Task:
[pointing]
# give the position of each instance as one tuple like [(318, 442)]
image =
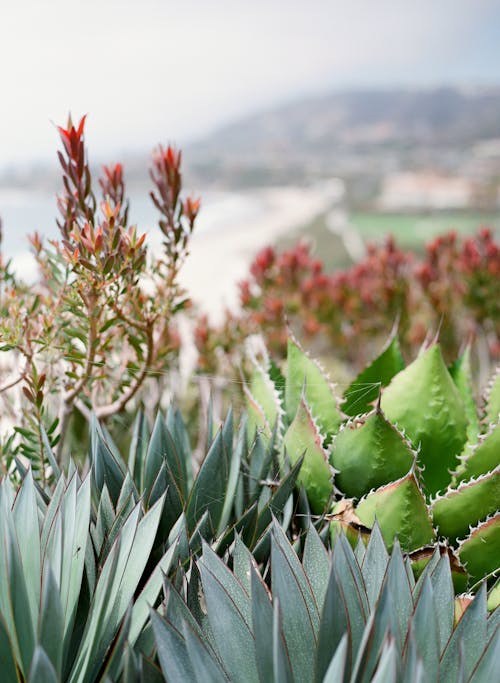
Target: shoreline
[(219, 259)]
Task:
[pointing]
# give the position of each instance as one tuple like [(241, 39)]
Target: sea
[(24, 212)]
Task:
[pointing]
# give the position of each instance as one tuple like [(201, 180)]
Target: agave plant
[(355, 617), (81, 564), (72, 588), (404, 445)]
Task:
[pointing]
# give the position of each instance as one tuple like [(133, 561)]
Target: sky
[(152, 71)]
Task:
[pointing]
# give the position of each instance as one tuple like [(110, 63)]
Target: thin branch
[(120, 403)]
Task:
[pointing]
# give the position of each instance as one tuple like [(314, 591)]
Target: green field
[(411, 230)]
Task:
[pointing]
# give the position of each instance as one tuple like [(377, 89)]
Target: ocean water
[(24, 212)]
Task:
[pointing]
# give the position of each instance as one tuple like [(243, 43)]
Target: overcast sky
[(157, 70)]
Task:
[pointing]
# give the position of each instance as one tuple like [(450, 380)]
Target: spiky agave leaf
[(400, 509), (462, 507), (303, 438), (350, 629), (479, 552), (304, 376), (461, 373), (492, 399), (423, 400), (369, 452), (481, 457)]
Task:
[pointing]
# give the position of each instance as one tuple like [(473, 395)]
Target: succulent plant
[(356, 616), (417, 457)]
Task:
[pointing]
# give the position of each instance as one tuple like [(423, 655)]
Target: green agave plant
[(81, 564), (404, 445), (353, 617)]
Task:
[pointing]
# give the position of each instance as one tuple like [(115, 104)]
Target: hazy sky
[(157, 70)]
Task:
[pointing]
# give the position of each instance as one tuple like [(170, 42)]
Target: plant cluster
[(146, 571), (452, 286), (101, 320), (313, 542), (424, 462)]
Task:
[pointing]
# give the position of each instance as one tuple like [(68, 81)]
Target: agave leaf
[(66, 548), (25, 516), (138, 449), (466, 505), (203, 531), (180, 436), (397, 585), (289, 584), (481, 550), (14, 603), (51, 512), (303, 438), (423, 400), (442, 585), (51, 621), (365, 389), (262, 622), (352, 588), (264, 392), (494, 597), (381, 621), (150, 592), (205, 665), (282, 669), (107, 468), (368, 453), (461, 373), (305, 380), (334, 625), (172, 651), (374, 565), (155, 455), (316, 565), (115, 588), (210, 486), (487, 667), (336, 669), (387, 671), (7, 654), (232, 629), (49, 453), (470, 636), (242, 562), (41, 670), (425, 626), (234, 588), (482, 457), (104, 520), (401, 511), (277, 502), (283, 549), (260, 459), (257, 422), (236, 456), (114, 656), (492, 408)]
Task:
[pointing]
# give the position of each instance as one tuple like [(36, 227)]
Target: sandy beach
[(220, 258)]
